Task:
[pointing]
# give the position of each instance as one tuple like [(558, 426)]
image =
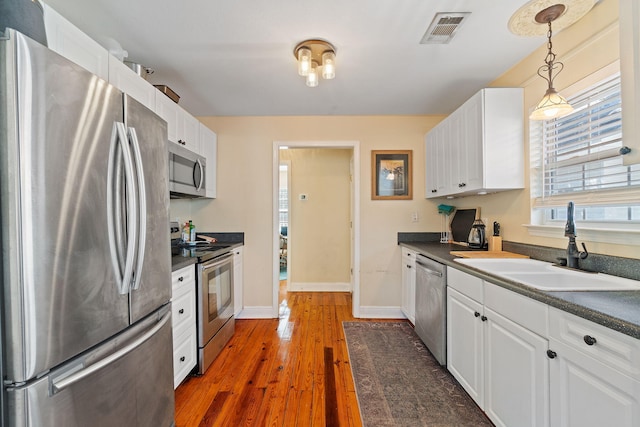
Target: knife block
[(495, 244)]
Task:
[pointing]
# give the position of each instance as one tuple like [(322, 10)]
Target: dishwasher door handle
[(428, 270)]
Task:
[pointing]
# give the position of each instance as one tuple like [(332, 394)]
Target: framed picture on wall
[(391, 172)]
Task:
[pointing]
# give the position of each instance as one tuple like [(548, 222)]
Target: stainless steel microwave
[(187, 173)]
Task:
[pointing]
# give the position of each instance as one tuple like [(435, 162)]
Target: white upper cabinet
[(479, 148), (125, 79), (209, 149), (69, 41), (182, 127)]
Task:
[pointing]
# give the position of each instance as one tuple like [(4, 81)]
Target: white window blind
[(578, 157)]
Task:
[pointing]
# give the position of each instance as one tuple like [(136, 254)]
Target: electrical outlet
[(414, 217)]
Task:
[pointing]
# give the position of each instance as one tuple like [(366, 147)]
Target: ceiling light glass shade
[(304, 61), (312, 75), (328, 65), (552, 105)]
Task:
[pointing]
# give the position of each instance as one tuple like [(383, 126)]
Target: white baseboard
[(319, 287), (256, 313), (371, 312)]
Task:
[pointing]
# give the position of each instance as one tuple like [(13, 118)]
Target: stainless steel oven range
[(216, 324), (214, 289)]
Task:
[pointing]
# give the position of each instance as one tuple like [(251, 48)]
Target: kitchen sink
[(548, 277)]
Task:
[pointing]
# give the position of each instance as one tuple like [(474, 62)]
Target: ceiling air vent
[(444, 27)]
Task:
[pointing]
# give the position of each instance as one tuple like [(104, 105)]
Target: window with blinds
[(578, 158)]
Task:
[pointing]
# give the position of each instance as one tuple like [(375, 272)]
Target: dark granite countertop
[(181, 259), (618, 310)]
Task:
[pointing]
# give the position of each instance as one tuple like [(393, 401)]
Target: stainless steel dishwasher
[(431, 306)]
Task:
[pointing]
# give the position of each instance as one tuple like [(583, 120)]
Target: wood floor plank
[(278, 372)]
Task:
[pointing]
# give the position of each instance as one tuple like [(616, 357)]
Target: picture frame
[(391, 175)]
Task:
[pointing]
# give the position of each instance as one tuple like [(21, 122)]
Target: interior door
[(61, 288)]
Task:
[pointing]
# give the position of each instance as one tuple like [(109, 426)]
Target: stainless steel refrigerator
[(86, 279)]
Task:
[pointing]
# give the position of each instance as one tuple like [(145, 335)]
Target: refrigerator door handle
[(142, 208), (114, 206), (57, 385)]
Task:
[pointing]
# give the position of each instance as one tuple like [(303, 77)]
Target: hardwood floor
[(291, 371)]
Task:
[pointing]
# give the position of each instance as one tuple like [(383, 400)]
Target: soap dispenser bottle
[(477, 237)]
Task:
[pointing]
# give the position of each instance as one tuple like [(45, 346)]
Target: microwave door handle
[(132, 212), (199, 185), (142, 207)]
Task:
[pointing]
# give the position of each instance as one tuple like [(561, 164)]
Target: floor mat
[(399, 383)]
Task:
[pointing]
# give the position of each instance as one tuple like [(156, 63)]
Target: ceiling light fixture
[(313, 55), (552, 104), (534, 19)]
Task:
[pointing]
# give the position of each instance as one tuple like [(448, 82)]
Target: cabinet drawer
[(469, 285), (184, 356), (184, 277), (524, 311), (408, 254), (183, 307), (612, 348)]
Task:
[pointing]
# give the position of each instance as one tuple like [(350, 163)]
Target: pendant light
[(552, 105), (534, 19)]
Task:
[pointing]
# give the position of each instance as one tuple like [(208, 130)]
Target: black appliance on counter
[(214, 289)]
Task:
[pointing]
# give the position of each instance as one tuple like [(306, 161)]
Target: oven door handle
[(217, 262)]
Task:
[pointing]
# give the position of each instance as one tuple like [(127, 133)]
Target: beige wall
[(319, 233), (245, 176), (244, 202)]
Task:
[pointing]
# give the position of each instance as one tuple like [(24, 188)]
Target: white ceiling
[(235, 57)]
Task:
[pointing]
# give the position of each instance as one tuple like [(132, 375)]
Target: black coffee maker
[(477, 236)]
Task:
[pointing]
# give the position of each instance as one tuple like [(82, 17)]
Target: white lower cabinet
[(595, 378), (409, 284), (465, 343), (238, 281), (516, 373), (183, 320), (496, 349)]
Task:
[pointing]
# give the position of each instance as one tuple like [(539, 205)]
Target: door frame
[(355, 200)]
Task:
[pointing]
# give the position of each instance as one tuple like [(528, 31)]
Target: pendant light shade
[(312, 76), (328, 65), (315, 58), (551, 106), (304, 61)]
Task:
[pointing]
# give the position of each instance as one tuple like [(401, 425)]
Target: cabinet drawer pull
[(462, 184), (182, 359), (589, 340), (551, 354), (408, 266), (483, 318), (476, 314), (434, 191), (180, 279), (181, 311)]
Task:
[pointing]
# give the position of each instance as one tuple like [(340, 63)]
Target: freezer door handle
[(59, 384), (141, 219)]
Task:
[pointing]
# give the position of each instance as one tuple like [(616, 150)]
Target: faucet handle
[(584, 254)]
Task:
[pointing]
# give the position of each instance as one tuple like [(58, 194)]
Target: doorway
[(351, 258)]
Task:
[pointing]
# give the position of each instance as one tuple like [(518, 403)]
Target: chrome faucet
[(573, 254)]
